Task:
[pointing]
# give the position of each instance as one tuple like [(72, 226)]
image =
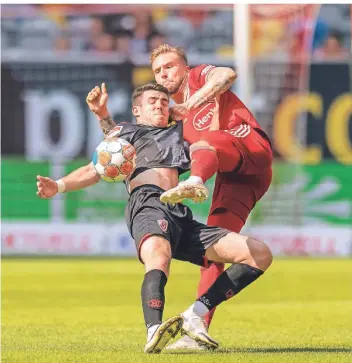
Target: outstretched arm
[(80, 178), (97, 101), (220, 79)]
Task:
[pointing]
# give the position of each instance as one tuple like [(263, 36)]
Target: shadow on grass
[(266, 350)]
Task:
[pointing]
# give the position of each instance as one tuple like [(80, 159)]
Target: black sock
[(153, 298), (229, 283)]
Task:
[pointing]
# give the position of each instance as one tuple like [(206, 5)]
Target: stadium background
[(52, 55), (79, 309)]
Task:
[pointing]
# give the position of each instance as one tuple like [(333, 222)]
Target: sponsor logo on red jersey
[(202, 119)]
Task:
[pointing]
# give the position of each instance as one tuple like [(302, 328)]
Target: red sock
[(204, 163), (207, 278)]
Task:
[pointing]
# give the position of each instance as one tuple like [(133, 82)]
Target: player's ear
[(135, 111)]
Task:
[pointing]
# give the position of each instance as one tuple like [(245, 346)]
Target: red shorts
[(237, 191)]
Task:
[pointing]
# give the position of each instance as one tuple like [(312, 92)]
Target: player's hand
[(47, 187), (97, 100), (179, 112)]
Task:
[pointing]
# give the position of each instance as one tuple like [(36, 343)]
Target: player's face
[(169, 70), (154, 108)]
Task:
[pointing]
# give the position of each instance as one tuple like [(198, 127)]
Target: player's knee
[(155, 253), (217, 139), (201, 145), (260, 255)]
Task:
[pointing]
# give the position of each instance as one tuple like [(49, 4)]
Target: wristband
[(61, 186)]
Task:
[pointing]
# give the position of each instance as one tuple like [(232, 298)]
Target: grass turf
[(88, 311)]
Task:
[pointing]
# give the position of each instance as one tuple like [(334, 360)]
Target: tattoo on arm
[(106, 124), (216, 85)]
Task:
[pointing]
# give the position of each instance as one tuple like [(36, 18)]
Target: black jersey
[(155, 147)]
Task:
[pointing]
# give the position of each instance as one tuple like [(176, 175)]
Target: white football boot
[(165, 331), (185, 343), (195, 327), (197, 192)]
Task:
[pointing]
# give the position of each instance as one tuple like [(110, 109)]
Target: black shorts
[(147, 216)]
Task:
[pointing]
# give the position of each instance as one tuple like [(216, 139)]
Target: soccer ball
[(114, 159)]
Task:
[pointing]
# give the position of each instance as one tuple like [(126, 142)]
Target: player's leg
[(220, 217), (239, 151), (208, 274), (155, 253), (249, 259), (232, 202), (216, 151), (151, 226), (234, 197)]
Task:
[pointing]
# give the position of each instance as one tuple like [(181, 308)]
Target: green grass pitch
[(88, 311)]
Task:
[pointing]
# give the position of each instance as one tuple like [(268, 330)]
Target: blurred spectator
[(95, 32), (138, 31), (178, 30), (62, 44), (215, 32), (155, 40), (142, 30), (104, 43), (97, 26), (195, 17), (332, 48), (123, 43), (139, 42)]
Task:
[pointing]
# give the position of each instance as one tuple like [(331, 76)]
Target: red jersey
[(232, 112)]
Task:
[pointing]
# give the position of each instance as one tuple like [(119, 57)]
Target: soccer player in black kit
[(164, 231)]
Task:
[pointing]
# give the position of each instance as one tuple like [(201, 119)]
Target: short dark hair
[(137, 93)]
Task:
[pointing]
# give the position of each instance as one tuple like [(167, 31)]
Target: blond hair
[(165, 48)]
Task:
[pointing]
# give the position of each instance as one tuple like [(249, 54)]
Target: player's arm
[(106, 124), (80, 178), (218, 81), (97, 101)]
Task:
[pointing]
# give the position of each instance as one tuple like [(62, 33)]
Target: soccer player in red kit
[(225, 139)]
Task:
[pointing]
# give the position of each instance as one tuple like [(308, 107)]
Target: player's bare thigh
[(236, 248)]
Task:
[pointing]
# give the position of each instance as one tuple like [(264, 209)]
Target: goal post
[(242, 51)]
